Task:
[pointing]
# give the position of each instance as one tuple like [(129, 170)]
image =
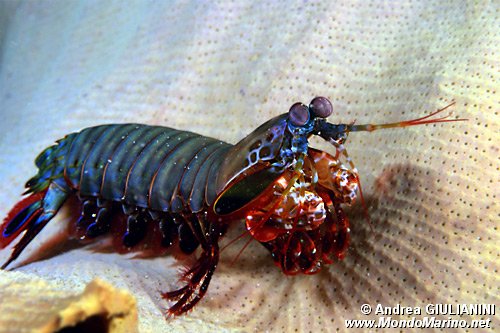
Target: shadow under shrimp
[(395, 251)]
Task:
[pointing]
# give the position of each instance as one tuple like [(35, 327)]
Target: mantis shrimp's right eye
[(321, 107), (299, 114)]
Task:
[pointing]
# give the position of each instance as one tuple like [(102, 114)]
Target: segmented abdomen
[(154, 167)]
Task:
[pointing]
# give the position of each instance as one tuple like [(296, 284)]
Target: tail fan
[(20, 217), (30, 215)]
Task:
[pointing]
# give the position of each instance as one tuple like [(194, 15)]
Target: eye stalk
[(321, 107), (299, 114)]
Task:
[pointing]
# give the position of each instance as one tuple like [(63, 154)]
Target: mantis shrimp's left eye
[(299, 114), (321, 107)]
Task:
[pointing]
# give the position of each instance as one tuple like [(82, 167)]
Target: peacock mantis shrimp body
[(186, 189)]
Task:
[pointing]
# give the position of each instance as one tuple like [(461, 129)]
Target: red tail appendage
[(20, 218)]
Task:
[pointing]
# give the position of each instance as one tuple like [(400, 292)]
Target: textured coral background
[(222, 68)]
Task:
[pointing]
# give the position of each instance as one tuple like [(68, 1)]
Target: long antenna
[(419, 121)]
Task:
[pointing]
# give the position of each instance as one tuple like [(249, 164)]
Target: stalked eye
[(299, 114), (321, 107)]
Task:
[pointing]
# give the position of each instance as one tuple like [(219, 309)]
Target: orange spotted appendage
[(304, 225)]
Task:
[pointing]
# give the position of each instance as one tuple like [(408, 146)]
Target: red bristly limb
[(241, 251)]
